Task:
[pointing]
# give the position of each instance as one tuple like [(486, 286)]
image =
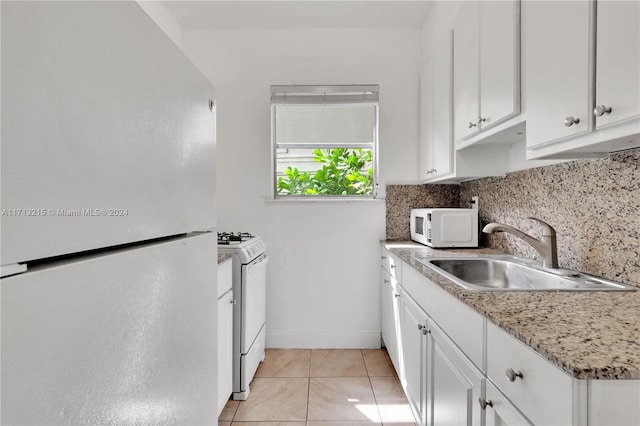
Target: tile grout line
[(371, 384), (375, 398), (308, 388), (364, 362)]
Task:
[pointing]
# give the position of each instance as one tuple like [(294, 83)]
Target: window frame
[(316, 95)]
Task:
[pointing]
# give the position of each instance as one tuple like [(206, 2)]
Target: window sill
[(345, 200)]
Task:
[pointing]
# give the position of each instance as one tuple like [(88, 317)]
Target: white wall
[(323, 288)]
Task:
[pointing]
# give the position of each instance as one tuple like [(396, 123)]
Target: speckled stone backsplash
[(400, 199), (594, 206)]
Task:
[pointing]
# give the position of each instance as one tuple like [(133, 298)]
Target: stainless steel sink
[(513, 274)]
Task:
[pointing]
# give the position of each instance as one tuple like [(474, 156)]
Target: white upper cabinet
[(426, 119), (486, 68), (617, 62), (499, 61), (582, 65), (439, 161), (556, 61), (436, 145), (466, 73)]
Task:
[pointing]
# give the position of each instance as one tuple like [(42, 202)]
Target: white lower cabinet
[(390, 316), (454, 383), (225, 334), (457, 368), (441, 383), (413, 370), (540, 390), (500, 411)]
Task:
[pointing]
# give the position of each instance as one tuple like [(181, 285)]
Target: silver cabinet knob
[(570, 121), (472, 124), (424, 329), (211, 105), (512, 375), (384, 257), (397, 294), (392, 266), (387, 281), (601, 110), (233, 301), (484, 403), (481, 120)]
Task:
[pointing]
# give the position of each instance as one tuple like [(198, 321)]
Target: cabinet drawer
[(461, 323), (225, 277), (392, 264), (544, 393)]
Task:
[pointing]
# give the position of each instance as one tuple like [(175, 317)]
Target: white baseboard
[(323, 339)]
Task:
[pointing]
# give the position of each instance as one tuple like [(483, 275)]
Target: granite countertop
[(589, 335), (224, 255)]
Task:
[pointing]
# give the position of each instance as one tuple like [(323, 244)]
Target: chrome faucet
[(546, 246)]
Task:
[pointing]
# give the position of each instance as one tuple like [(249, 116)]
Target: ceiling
[(296, 14)]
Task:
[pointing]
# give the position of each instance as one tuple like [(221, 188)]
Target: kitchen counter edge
[(224, 255)]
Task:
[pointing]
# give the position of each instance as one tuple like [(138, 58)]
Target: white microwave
[(442, 228)]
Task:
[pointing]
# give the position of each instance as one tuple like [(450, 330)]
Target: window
[(324, 141)]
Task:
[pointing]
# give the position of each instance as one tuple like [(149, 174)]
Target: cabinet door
[(426, 120), (499, 61), (413, 354), (225, 349), (501, 412), (442, 108), (390, 317), (436, 116), (455, 384), (556, 65), (618, 60), (466, 72)]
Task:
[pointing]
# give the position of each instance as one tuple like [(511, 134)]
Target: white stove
[(249, 312), (246, 245)]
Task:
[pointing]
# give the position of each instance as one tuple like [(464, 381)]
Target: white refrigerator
[(108, 255)]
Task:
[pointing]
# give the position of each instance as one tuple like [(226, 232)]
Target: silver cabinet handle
[(397, 295), (601, 110), (211, 105), (512, 375), (387, 281), (570, 121), (481, 120), (393, 266), (472, 124), (384, 257), (484, 403), (233, 301)]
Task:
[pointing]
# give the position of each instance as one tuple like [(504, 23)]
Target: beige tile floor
[(332, 387)]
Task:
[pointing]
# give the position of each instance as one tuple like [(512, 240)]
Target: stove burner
[(231, 237)]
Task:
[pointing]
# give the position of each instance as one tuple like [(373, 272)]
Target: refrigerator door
[(127, 337), (108, 134)]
